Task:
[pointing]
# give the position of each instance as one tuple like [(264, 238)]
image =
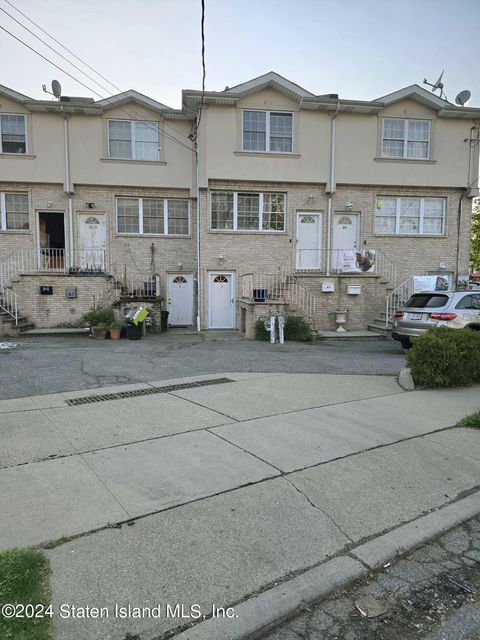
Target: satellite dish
[(56, 88), (463, 97)]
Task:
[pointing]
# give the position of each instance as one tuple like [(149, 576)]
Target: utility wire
[(164, 133), (200, 111), (55, 51), (62, 45), (78, 58)]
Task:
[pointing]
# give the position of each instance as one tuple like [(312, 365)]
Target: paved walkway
[(207, 494)]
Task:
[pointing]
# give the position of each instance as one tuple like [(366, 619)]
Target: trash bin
[(164, 322), (134, 331)]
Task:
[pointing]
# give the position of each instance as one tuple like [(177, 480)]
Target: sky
[(360, 49)]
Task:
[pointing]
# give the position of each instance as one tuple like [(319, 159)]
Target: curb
[(261, 612)]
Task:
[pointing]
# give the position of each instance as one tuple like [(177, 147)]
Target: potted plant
[(98, 316), (115, 330), (99, 331)]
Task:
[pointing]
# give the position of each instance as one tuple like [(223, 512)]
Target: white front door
[(221, 300), (345, 240), (180, 299), (309, 240), (92, 241)]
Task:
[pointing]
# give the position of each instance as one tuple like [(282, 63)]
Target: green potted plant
[(99, 331), (98, 316), (115, 329)]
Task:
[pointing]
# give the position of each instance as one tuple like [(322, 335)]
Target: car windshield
[(420, 300)]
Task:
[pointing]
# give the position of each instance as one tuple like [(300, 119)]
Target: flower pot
[(115, 334), (99, 334)]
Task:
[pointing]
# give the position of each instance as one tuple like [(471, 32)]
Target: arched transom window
[(221, 279), (179, 280)]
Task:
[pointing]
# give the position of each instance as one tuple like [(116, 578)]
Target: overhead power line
[(164, 133), (62, 45), (78, 68), (55, 51)]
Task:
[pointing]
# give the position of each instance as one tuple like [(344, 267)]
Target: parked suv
[(428, 309)]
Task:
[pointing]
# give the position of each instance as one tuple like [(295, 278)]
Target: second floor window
[(247, 211), (13, 211), (267, 131), (133, 140), (404, 138), (12, 134), (153, 216)]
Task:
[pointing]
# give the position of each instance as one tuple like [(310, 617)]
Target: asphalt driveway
[(51, 364)]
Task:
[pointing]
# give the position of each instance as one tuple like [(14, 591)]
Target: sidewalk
[(223, 489)]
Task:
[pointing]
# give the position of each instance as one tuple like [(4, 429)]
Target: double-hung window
[(13, 211), (410, 216), (406, 139), (153, 216), (245, 211), (268, 131), (133, 140), (13, 138)]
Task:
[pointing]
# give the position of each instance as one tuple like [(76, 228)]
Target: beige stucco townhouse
[(294, 201)]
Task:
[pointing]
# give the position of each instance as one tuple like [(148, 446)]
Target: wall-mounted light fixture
[(49, 204), (349, 206), (90, 205), (180, 266), (220, 259)]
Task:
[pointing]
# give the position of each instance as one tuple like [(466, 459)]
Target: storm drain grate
[(147, 391)]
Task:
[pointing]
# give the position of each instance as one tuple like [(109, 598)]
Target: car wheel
[(405, 342)]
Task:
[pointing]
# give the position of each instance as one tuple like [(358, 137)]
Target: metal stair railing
[(8, 302), (397, 298)]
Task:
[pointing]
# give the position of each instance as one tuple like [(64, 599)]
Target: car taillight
[(443, 316), (398, 314)]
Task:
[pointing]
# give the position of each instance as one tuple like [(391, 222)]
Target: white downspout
[(67, 186), (332, 185), (199, 275)]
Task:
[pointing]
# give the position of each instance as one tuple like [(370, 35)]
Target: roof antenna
[(437, 85), (56, 89)]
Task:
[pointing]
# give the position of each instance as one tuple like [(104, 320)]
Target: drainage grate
[(148, 391)]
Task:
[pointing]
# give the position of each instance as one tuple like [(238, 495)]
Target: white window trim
[(267, 131), (406, 138), (3, 212), (132, 131), (260, 215), (165, 233), (9, 153), (398, 207)]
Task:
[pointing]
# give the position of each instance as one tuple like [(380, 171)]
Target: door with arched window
[(180, 299), (309, 240), (221, 300)]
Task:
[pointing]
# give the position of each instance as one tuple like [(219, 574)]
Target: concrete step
[(379, 327), (350, 335), (56, 331), (25, 326)]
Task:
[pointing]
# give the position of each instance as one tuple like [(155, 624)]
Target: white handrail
[(397, 298), (8, 302)]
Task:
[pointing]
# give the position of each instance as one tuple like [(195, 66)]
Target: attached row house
[(262, 197)]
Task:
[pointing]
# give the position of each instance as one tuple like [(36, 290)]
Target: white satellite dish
[(56, 88), (463, 97)]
